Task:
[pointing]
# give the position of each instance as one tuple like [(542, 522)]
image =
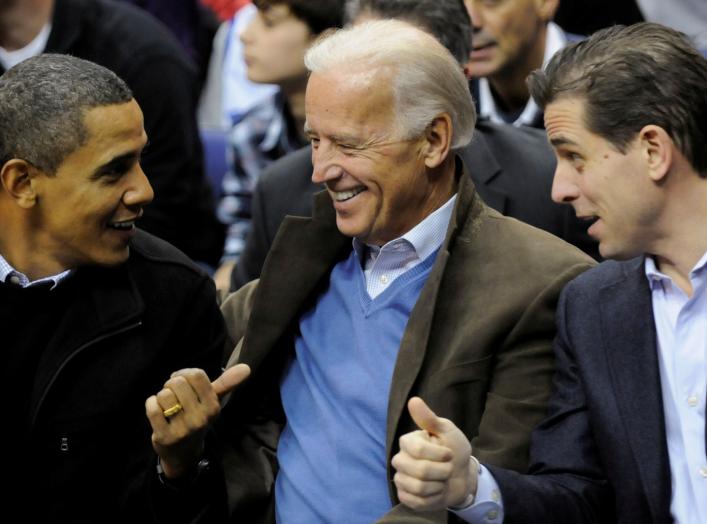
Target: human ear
[(546, 9), (657, 150), (17, 177), (438, 140)]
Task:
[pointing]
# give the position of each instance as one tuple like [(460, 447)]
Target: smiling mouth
[(588, 219), (343, 196), (125, 225), (482, 47)]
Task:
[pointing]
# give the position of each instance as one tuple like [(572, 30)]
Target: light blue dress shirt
[(382, 265)]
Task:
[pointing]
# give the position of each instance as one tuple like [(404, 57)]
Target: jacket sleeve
[(198, 343), (521, 380), (566, 481)]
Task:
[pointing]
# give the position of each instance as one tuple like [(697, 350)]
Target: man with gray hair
[(511, 166), (95, 313), (436, 295), (625, 439)]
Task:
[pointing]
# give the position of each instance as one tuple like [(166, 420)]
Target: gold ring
[(170, 412)]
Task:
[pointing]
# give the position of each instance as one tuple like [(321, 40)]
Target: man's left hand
[(434, 469)]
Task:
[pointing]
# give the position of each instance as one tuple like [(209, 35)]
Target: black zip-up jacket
[(87, 455)]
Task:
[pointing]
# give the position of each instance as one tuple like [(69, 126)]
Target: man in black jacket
[(143, 53), (95, 314)]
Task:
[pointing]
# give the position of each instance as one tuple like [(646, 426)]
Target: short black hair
[(319, 15), (447, 20), (42, 105)]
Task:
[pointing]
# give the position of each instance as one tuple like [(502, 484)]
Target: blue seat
[(214, 142)]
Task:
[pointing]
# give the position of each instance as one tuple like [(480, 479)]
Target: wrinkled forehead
[(565, 114)]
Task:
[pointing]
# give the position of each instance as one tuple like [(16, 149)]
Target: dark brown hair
[(630, 77)]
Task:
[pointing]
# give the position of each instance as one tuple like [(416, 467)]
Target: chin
[(348, 229), (114, 259), (618, 252)]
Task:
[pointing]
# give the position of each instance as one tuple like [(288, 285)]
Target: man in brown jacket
[(439, 297)]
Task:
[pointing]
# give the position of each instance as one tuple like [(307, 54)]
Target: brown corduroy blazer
[(477, 346)]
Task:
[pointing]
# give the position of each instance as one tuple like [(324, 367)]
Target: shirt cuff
[(487, 507)]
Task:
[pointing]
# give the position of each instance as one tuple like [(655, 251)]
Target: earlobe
[(546, 9), (17, 177), (657, 150), (438, 138)]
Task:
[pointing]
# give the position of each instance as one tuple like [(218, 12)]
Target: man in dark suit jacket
[(625, 439), (402, 282), (511, 39), (512, 168)]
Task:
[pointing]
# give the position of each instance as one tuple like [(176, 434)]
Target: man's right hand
[(182, 410), (434, 467)]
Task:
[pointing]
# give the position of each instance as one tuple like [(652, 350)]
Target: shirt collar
[(9, 274), (10, 59), (555, 40), (424, 239), (656, 277)]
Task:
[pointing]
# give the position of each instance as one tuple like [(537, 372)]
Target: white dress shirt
[(9, 59), (555, 41)]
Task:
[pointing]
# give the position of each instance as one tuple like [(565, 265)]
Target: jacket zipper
[(64, 446)]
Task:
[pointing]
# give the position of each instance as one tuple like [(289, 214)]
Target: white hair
[(427, 80)]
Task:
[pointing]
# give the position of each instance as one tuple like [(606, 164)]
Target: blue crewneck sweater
[(335, 395)]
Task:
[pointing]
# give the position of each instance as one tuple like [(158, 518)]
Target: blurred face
[(507, 34), (377, 182), (611, 190), (87, 210), (274, 46)]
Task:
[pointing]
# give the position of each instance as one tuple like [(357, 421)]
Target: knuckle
[(416, 447)]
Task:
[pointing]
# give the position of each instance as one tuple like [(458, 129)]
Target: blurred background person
[(274, 44)]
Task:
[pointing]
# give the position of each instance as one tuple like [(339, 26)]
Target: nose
[(474, 14), (325, 168), (247, 32), (564, 187), (139, 192)]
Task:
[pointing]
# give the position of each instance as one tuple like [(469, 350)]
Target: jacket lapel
[(629, 338), (292, 276), (414, 344)]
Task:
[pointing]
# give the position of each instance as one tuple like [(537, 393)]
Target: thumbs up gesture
[(433, 466), (181, 412)]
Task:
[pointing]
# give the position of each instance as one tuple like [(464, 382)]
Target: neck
[(21, 21), (19, 246), (683, 241), (447, 186), (509, 86), (295, 94)]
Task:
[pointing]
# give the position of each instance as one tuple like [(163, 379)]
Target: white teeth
[(123, 226), (341, 196)]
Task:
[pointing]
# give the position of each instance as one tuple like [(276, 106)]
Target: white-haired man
[(438, 296)]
